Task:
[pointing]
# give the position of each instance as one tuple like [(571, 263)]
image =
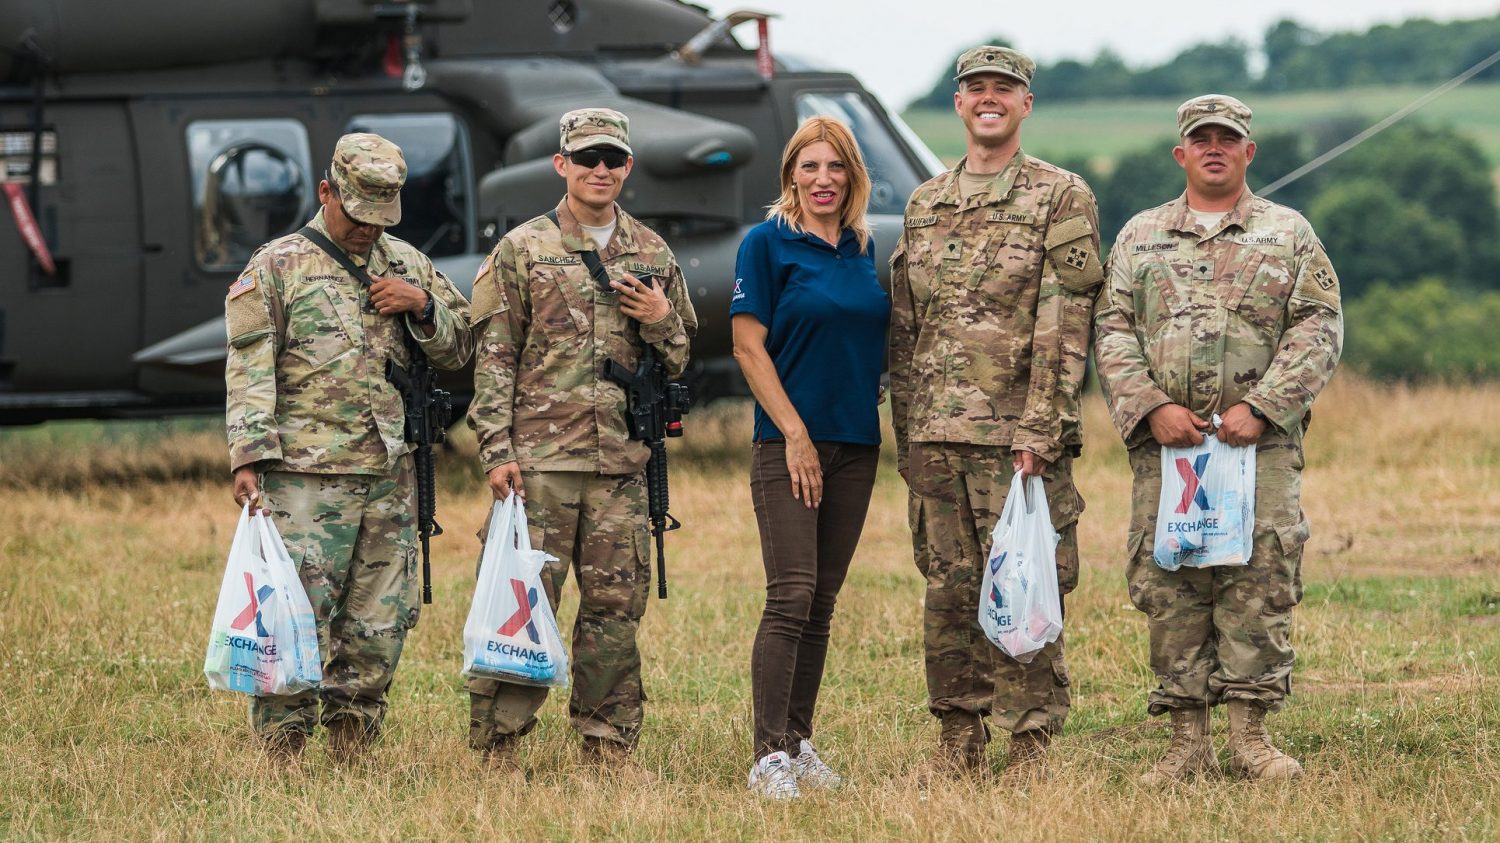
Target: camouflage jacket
[(306, 359), (544, 331), (1247, 310), (991, 303)]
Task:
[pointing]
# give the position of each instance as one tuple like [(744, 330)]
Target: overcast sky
[(898, 48)]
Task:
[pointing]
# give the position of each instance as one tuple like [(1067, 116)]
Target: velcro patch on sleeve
[(1073, 255), (1318, 282), (246, 318), (488, 298), (1067, 231)]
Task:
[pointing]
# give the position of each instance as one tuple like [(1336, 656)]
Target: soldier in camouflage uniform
[(316, 433), (1219, 302), (992, 288), (553, 429)]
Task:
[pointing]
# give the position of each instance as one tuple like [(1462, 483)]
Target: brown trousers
[(806, 553)]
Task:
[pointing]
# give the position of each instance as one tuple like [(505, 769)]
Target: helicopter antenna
[(691, 52)]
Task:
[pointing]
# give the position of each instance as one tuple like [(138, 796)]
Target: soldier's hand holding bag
[(264, 639), (511, 633), (1020, 605), (1206, 513)]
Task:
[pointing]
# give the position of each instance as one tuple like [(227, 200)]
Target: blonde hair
[(852, 216)]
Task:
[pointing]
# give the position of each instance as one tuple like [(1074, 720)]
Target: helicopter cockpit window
[(892, 177), (436, 203), (252, 182)]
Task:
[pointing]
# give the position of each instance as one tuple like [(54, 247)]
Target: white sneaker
[(812, 773), (772, 777)]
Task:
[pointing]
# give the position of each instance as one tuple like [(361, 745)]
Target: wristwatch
[(1254, 410), (427, 315)]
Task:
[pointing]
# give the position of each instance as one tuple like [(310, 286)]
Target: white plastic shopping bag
[(302, 658), (1206, 513), (1020, 606), (264, 639), (511, 633)]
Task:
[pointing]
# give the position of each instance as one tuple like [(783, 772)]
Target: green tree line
[(1409, 219), (1295, 57)]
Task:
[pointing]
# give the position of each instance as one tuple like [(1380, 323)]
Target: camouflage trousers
[(595, 524), (957, 493), (1222, 633), (353, 538)]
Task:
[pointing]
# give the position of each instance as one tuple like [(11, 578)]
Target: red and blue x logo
[(252, 611), (1192, 483), (995, 565), (525, 602)]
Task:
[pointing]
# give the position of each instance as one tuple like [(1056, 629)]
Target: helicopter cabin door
[(71, 329)]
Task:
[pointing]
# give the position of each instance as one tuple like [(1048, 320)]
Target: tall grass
[(107, 729)]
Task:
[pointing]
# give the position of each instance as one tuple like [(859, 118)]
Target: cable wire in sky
[(1381, 126)]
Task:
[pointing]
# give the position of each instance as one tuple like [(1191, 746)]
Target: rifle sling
[(361, 275), (590, 258), (322, 242)]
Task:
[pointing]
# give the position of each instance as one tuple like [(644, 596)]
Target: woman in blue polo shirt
[(809, 320)]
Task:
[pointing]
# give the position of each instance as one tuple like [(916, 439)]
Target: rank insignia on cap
[(1077, 258), (245, 284), (1324, 278)]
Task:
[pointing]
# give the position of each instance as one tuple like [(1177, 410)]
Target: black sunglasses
[(590, 158)]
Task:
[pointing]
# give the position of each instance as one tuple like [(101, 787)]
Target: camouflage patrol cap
[(369, 171), (1002, 60), (1218, 109), (588, 127)]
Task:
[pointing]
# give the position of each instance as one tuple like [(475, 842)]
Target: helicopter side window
[(437, 205), (892, 177), (252, 182)]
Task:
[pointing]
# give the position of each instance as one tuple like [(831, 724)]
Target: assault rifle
[(654, 408), (428, 411)]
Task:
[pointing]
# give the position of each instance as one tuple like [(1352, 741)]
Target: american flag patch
[(245, 284)]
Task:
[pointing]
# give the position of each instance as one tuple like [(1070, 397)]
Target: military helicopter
[(149, 148)]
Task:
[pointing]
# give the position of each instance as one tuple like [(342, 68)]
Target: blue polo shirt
[(826, 317)]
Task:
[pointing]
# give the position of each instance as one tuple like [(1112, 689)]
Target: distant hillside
[(1102, 130), (1292, 57)]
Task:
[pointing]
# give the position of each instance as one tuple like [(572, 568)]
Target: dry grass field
[(112, 540)]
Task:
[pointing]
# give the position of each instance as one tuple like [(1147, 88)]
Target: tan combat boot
[(348, 738), (501, 759), (284, 747), (961, 743), (960, 750), (1250, 751), (1027, 759), (1189, 752), (613, 759)]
